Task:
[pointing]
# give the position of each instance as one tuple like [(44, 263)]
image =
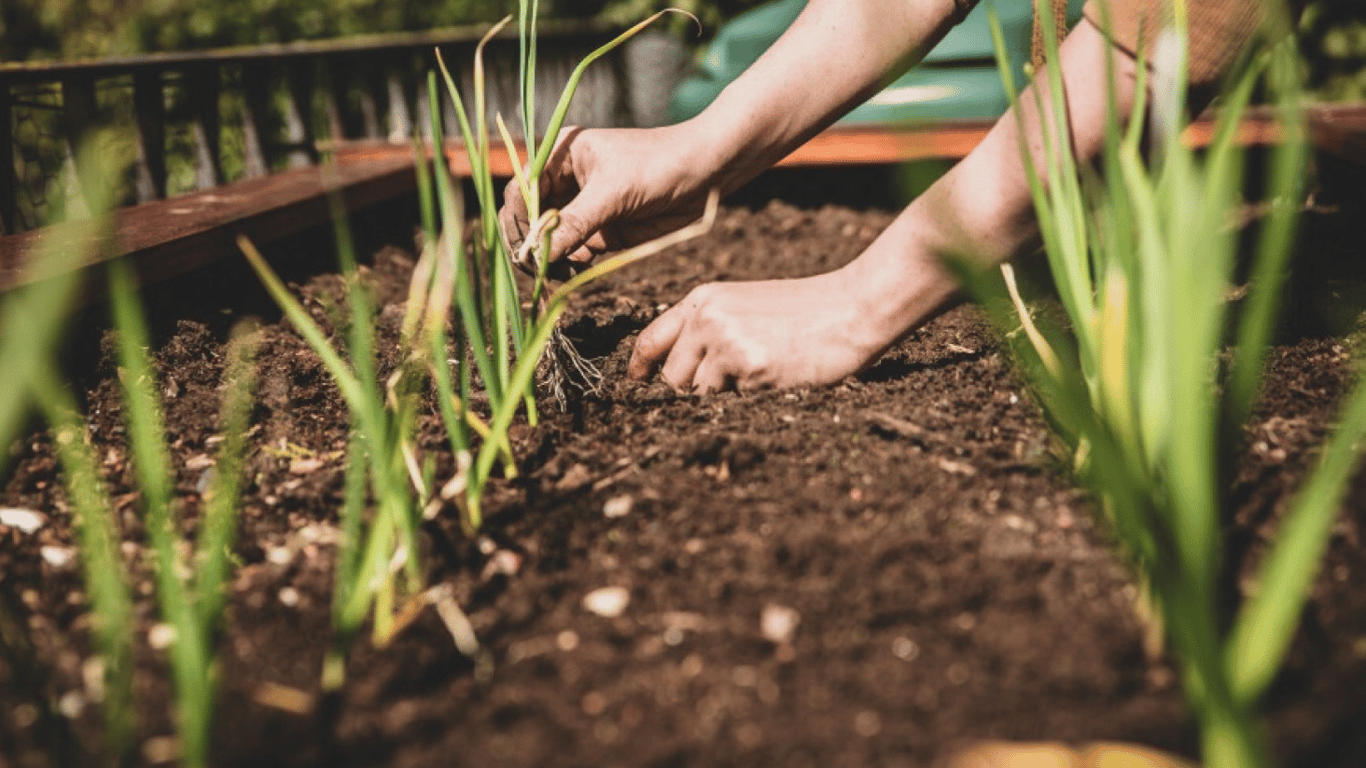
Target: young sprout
[(496, 341), (190, 594), (521, 343), (1151, 426)]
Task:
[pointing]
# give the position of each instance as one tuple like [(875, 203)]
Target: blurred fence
[(193, 121)]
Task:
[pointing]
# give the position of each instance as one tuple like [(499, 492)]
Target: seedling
[(374, 547), (495, 338), (523, 341), (31, 323), (1142, 262), (190, 594)]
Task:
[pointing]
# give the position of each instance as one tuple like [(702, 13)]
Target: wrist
[(897, 284)]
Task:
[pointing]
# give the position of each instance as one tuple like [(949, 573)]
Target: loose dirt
[(864, 574)]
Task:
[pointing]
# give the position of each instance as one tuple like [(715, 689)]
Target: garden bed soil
[(864, 574)]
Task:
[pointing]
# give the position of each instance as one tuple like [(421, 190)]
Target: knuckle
[(701, 297), (754, 362)]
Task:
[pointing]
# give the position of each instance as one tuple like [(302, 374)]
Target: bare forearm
[(982, 208), (836, 55)]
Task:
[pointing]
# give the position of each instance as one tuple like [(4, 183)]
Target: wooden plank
[(400, 120), (9, 200), (371, 86), (876, 146), (299, 115), (255, 122), (1341, 130), (836, 146), (79, 109), (170, 237), (149, 119), (338, 76), (589, 33), (204, 83)]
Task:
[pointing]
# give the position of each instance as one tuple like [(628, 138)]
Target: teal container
[(957, 80)]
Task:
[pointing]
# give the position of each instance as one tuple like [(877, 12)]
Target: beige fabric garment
[(1218, 29)]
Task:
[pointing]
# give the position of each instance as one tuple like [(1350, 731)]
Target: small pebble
[(25, 715), (289, 596), (567, 640), (904, 648), (26, 520), (92, 675), (205, 481), (618, 506), (574, 478), (608, 602), (58, 557), (160, 636), (504, 562), (867, 723), (594, 703), (70, 704), (279, 555), (778, 623), (691, 666), (161, 749)]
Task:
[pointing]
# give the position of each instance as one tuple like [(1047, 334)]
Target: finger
[(653, 344), (584, 255), (570, 265), (712, 376), (562, 270), (513, 217), (680, 369), (581, 220)]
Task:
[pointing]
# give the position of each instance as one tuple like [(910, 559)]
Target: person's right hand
[(614, 188)]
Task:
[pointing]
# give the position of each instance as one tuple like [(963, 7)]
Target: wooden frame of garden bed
[(171, 236)]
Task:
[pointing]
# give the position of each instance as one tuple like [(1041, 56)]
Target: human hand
[(754, 335), (614, 188), (811, 330)]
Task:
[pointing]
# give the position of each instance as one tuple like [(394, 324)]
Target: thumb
[(582, 218)]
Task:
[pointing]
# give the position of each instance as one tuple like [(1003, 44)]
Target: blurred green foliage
[(66, 29), (1333, 43), (87, 28)]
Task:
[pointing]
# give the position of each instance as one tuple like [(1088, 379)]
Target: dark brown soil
[(947, 581)]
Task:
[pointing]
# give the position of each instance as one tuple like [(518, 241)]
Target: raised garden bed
[(945, 580)]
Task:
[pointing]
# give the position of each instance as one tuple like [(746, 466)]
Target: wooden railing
[(365, 96), (267, 97)]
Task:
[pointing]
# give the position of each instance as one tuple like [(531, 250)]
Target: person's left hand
[(751, 335)]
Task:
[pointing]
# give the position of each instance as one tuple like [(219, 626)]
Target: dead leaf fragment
[(284, 698), (305, 465)]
